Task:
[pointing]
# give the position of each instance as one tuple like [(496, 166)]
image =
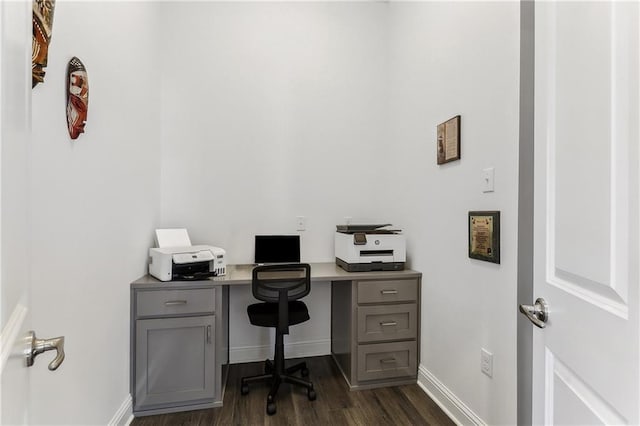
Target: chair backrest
[(281, 284), (291, 280)]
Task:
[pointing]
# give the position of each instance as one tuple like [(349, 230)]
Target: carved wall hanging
[(77, 97), (42, 22)]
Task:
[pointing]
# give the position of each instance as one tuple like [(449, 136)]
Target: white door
[(15, 138), (587, 360), (15, 107)]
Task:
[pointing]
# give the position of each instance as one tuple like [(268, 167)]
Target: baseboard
[(239, 355), (124, 415), (447, 400)]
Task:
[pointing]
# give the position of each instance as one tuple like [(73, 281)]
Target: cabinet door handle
[(209, 334), (388, 324), (388, 361), (175, 302), (389, 291)]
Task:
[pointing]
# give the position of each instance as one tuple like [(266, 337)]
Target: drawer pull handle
[(389, 291), (209, 334), (388, 324), (388, 361), (175, 302)]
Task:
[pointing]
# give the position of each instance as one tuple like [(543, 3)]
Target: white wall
[(448, 59), (272, 111), (94, 204)]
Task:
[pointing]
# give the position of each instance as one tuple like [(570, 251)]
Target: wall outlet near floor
[(486, 362)]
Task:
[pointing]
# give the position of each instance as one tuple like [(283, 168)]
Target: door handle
[(538, 314), (37, 346)]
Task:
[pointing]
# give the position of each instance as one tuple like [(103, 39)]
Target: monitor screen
[(277, 249)]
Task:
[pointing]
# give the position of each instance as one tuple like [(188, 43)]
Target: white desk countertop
[(241, 275)]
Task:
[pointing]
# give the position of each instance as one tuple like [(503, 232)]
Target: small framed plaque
[(449, 140), (484, 236)]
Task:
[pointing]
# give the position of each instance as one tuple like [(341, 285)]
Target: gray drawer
[(387, 322), (387, 291), (175, 302), (387, 360)]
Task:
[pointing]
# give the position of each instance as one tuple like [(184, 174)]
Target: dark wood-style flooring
[(335, 404)]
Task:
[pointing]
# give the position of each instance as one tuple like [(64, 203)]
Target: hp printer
[(361, 248), (176, 259), (187, 263)]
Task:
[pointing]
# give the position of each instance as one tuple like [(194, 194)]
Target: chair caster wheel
[(304, 372), (311, 394), (244, 389), (271, 408)]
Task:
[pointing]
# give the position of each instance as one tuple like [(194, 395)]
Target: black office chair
[(280, 286)]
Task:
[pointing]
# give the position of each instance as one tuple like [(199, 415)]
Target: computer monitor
[(277, 249)]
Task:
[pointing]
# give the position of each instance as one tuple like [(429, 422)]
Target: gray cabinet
[(176, 344), (174, 361), (375, 331)]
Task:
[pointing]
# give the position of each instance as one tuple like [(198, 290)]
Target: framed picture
[(484, 236), (449, 140)]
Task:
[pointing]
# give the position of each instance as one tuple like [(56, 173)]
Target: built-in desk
[(180, 334)]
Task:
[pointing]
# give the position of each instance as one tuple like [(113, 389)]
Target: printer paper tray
[(367, 229), (368, 267)]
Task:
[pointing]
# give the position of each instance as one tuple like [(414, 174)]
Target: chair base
[(275, 378)]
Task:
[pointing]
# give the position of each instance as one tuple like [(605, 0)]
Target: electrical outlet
[(347, 220), (301, 223), (486, 362)]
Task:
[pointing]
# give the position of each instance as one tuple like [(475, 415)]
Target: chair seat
[(266, 314)]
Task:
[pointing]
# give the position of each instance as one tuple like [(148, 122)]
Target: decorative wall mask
[(42, 22), (77, 97)]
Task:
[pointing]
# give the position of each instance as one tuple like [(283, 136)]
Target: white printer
[(361, 248), (176, 259)]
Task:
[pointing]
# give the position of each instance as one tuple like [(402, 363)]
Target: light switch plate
[(486, 362), (487, 179)]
